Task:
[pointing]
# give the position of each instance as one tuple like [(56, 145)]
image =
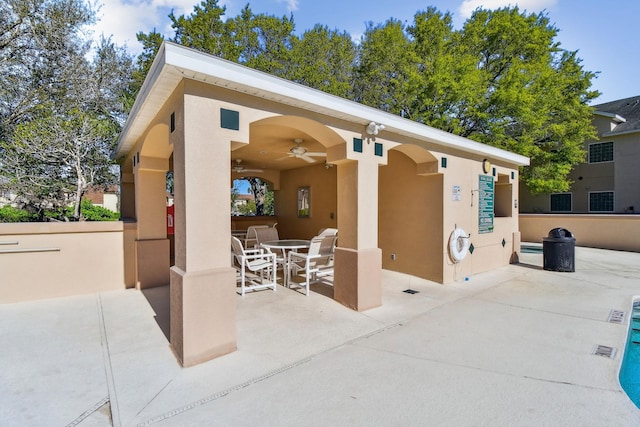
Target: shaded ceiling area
[(283, 142)]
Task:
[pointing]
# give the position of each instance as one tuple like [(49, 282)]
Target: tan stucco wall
[(627, 173), (619, 232), (323, 185), (410, 223), (86, 257), (240, 223), (489, 252), (418, 214)]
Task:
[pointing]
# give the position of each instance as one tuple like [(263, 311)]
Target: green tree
[(248, 208), (151, 43), (203, 30), (535, 94), (386, 72), (501, 80), (259, 189), (91, 212), (11, 214), (39, 51), (324, 59), (62, 102), (53, 160)]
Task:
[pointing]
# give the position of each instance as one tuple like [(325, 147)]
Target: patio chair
[(257, 269), (267, 235), (316, 263), (328, 232), (249, 240)]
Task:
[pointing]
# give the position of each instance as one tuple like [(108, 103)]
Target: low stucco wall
[(618, 232), (49, 260)]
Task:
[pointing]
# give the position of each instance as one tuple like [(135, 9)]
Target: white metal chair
[(328, 232), (249, 240), (267, 235), (250, 262), (316, 263)]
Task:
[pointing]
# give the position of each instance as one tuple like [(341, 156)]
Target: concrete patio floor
[(511, 347)]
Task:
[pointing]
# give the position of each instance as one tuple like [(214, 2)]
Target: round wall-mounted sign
[(486, 166)]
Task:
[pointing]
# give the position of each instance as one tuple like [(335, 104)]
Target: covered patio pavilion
[(395, 189)]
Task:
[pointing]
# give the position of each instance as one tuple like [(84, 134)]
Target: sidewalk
[(511, 347)]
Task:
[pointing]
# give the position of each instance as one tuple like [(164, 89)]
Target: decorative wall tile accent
[(378, 149), (357, 145), (229, 119)]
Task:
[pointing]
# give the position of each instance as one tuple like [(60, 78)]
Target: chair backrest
[(266, 235), (322, 245), (251, 230), (328, 232), (250, 238), (236, 246)]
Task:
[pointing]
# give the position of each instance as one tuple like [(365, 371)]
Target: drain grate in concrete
[(604, 351), (616, 316), (410, 291)]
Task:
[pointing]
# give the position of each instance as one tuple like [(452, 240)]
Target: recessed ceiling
[(270, 146)]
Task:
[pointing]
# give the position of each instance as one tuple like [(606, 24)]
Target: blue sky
[(604, 33)]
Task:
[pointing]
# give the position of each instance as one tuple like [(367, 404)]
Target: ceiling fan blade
[(316, 154), (243, 170), (306, 158)]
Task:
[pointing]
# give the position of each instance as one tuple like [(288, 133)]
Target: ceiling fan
[(239, 168), (300, 152)]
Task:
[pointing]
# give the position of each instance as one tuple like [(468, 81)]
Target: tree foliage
[(502, 79), (53, 160), (62, 102), (320, 58)]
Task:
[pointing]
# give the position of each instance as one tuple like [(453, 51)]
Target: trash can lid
[(559, 233)]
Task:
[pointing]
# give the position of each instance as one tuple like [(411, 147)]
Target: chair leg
[(307, 280)]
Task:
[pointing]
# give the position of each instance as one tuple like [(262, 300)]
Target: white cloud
[(291, 4), (468, 6), (122, 19)]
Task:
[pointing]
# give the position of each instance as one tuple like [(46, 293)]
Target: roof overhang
[(614, 117), (173, 63)]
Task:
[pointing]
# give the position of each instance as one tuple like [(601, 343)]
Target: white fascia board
[(616, 118), (216, 71)]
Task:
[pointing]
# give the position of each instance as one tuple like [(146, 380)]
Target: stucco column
[(151, 246), (203, 283), (358, 260)]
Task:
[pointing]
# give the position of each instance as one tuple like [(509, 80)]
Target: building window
[(601, 201), (561, 202), (600, 152)]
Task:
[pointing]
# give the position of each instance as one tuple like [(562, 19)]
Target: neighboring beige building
[(107, 198), (240, 201), (609, 182), (394, 188)]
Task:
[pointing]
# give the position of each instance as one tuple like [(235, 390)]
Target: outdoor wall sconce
[(486, 166), (373, 128)]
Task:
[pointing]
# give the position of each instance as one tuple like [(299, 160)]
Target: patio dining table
[(285, 245)]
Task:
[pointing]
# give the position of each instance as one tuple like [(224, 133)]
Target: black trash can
[(559, 251)]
